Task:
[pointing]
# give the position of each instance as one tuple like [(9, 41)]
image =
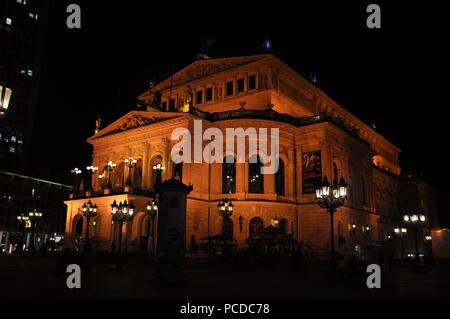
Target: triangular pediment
[(133, 120), (202, 68)]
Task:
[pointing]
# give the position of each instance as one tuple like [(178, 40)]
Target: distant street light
[(24, 221), (93, 170), (109, 168), (76, 173), (34, 217)]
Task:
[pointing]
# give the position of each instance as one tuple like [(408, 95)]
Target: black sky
[(386, 75)]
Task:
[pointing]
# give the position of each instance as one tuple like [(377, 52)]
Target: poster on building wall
[(312, 171)]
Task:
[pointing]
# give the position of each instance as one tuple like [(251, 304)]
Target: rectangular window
[(252, 82), (240, 85), (209, 93), (230, 88), (164, 105), (199, 97)]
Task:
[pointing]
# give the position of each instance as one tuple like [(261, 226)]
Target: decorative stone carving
[(134, 121)]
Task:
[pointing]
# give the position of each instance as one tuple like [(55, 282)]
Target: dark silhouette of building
[(22, 31)]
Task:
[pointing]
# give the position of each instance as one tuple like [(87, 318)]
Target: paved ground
[(37, 278)]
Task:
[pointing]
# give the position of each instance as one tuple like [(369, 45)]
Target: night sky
[(385, 76)]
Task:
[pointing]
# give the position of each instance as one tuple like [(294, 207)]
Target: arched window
[(256, 179), (229, 175), (178, 171), (256, 226), (279, 178)]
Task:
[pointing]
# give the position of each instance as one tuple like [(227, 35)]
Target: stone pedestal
[(171, 232)]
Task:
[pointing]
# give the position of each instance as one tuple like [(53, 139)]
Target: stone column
[(145, 166)]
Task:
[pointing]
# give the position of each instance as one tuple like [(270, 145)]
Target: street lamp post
[(121, 214), (34, 217), (415, 221), (225, 209), (130, 162), (109, 168), (93, 170), (400, 232), (76, 173), (23, 220), (152, 211), (89, 211), (158, 169), (331, 197)]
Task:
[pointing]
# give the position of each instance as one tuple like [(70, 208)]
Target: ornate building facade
[(317, 137)]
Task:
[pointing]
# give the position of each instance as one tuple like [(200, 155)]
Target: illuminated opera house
[(317, 138)]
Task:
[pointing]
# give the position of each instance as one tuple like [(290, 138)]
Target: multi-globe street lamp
[(89, 211), (400, 232), (131, 163), (109, 169), (93, 169), (158, 169), (76, 174), (415, 221), (121, 214), (225, 210), (152, 211), (331, 197)]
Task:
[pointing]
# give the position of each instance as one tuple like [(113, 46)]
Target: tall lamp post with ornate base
[(331, 197), (89, 211), (225, 211), (109, 169), (415, 221), (121, 214), (152, 211), (131, 163)]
